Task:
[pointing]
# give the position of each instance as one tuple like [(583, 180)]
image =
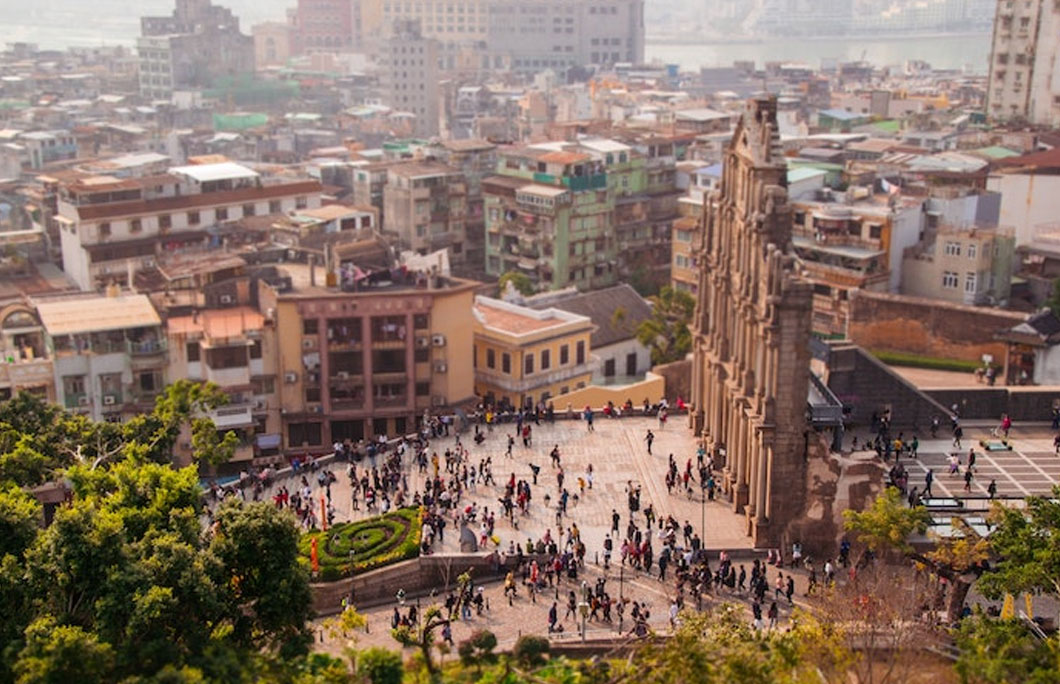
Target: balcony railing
[(391, 401), (513, 384), (148, 347), (75, 400)]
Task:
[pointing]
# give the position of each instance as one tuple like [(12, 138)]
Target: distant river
[(969, 52)]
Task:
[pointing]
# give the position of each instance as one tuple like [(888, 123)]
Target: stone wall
[(418, 577), (989, 403), (678, 378), (927, 327), (867, 386)]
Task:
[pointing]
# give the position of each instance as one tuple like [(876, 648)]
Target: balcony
[(346, 403), (148, 347), (391, 401), (232, 417), (512, 384), (389, 377), (76, 400)]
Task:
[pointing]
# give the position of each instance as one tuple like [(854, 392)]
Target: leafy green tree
[(380, 666), (667, 333), (1027, 543), (58, 654), (889, 523), (267, 588), (996, 651), (421, 636), (520, 281), (19, 517)]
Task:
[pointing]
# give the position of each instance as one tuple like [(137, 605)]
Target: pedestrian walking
[(649, 438), (929, 477)]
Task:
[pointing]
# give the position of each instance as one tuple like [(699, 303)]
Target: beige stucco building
[(963, 265), (367, 357), (523, 356), (750, 377)]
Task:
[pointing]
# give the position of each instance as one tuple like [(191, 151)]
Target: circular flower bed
[(352, 548)]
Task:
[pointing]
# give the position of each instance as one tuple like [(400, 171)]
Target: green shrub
[(380, 666), (352, 548), (893, 358), (530, 651)]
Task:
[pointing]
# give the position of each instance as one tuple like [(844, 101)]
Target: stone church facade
[(751, 330)]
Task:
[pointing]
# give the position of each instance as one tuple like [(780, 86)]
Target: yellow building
[(523, 356)]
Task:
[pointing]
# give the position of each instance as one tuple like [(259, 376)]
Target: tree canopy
[(667, 333), (126, 583)]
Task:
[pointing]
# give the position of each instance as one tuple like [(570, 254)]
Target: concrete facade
[(1025, 63), (752, 329), (410, 76)]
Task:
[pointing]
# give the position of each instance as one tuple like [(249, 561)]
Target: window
[(683, 236), (312, 395), (875, 231), (248, 209), (194, 218), (528, 364), (949, 280), (135, 226), (564, 355), (309, 326), (609, 368), (193, 352), (150, 381), (491, 358), (423, 389), (301, 203), (506, 363), (422, 355), (971, 280), (303, 434), (580, 353), (953, 249), (165, 222), (420, 322), (222, 214), (546, 359), (104, 230), (255, 349), (973, 250), (275, 207)]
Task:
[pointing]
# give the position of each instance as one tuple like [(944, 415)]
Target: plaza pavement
[(618, 453)]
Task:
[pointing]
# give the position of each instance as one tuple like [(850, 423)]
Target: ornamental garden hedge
[(349, 549)]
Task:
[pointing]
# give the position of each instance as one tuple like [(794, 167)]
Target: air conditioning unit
[(227, 299), (438, 340), (316, 409), (309, 343), (290, 378), (84, 401), (423, 342), (440, 367), (438, 401), (342, 375), (109, 400)]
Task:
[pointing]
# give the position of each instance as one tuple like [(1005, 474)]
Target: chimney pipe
[(312, 270)]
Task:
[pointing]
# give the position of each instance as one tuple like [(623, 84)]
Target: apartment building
[(109, 354), (24, 362), (475, 160), (110, 228), (234, 348), (410, 75), (523, 356), (198, 43), (962, 265), (549, 215), (851, 241), (370, 355), (425, 205), (1024, 80), (528, 36)]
